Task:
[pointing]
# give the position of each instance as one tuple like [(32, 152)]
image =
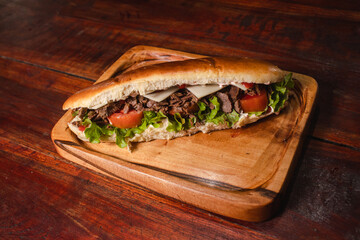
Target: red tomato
[(248, 85), (182, 86), (126, 120), (82, 128), (254, 103)]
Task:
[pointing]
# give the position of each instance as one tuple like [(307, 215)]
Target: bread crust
[(143, 80)]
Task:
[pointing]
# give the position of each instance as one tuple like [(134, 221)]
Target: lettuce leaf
[(232, 117), (279, 93), (94, 132), (176, 124), (214, 111), (120, 137), (215, 115), (86, 121), (201, 114), (218, 119), (152, 118)]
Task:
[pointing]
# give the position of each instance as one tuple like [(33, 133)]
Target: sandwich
[(178, 99)]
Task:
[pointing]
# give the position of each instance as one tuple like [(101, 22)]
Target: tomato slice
[(130, 119), (82, 128), (248, 85), (254, 103), (182, 86)]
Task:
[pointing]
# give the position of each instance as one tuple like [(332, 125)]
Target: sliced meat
[(142, 99), (234, 93), (191, 108), (182, 101), (126, 108), (150, 104), (225, 102), (92, 114), (174, 101), (102, 112), (237, 106), (175, 109), (185, 110), (139, 107), (82, 112), (114, 107), (132, 101)]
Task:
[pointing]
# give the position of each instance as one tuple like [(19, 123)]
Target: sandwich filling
[(181, 113)]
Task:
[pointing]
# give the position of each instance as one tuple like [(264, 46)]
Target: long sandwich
[(176, 99)]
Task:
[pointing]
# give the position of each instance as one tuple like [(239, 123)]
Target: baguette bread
[(211, 70)]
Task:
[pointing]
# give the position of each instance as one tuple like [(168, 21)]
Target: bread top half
[(202, 71)]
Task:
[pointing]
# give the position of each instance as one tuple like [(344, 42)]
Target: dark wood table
[(51, 49)]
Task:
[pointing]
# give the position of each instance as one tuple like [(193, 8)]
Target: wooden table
[(50, 49)]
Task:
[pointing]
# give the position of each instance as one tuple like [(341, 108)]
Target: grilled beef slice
[(225, 102)]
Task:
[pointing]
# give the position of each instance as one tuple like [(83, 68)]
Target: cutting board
[(238, 173)]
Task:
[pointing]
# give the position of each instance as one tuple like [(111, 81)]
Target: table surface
[(51, 49)]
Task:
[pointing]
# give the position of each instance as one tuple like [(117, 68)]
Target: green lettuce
[(232, 118), (86, 121), (178, 123), (214, 111), (121, 135), (94, 132), (201, 114), (215, 115), (279, 92)]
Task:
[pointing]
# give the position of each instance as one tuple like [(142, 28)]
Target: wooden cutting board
[(236, 173)]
